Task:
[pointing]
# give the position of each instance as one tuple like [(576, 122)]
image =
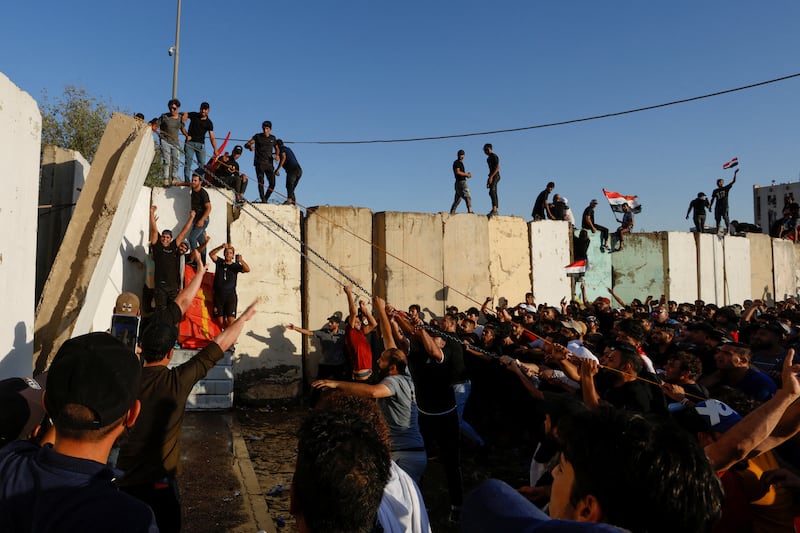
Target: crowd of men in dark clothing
[(718, 380)]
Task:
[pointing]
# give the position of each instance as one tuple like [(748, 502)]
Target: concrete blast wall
[(681, 261), (63, 175), (465, 248), (72, 292), (409, 259), (639, 269), (710, 268), (268, 358), (737, 275), (762, 285), (550, 243), (785, 276), (20, 140), (343, 237), (598, 272), (509, 259)]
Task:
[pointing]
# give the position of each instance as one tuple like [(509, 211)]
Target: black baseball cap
[(237, 149), (96, 371)]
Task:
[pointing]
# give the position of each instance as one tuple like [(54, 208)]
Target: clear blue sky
[(327, 71)]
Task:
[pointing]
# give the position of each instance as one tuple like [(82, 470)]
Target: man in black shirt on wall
[(462, 190), (195, 145)]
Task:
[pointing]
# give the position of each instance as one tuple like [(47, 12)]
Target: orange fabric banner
[(198, 326)]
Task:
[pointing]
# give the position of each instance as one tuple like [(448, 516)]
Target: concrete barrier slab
[(681, 261), (465, 247), (785, 277), (550, 253), (710, 268), (638, 269), (408, 259), (737, 273), (598, 272), (509, 258), (762, 283)]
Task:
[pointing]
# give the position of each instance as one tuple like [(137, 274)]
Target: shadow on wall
[(19, 356)]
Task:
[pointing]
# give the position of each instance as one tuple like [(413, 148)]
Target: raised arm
[(385, 328), (241, 261), (617, 298), (186, 227), (185, 297), (213, 253), (228, 336), (744, 438), (298, 329), (352, 310), (371, 323), (153, 225)]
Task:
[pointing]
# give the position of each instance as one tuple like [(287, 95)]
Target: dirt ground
[(270, 434)]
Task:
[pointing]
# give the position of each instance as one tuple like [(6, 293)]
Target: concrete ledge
[(253, 496)]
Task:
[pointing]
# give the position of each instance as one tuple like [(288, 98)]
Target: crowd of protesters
[(610, 390)]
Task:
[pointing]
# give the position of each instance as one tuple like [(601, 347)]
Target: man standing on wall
[(225, 276), (720, 195), (494, 176), (169, 126), (588, 223), (201, 205), (265, 145), (288, 161), (462, 190), (699, 206), (195, 145)]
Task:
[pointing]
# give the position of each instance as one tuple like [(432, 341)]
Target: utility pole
[(175, 52)]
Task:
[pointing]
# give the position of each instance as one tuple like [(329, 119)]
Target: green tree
[(77, 120)]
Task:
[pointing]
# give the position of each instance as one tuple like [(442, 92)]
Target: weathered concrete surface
[(20, 140), (598, 272), (737, 273), (127, 275), (784, 269), (762, 284), (72, 292), (268, 359), (710, 268), (681, 261), (550, 243), (408, 259), (509, 258), (343, 236), (638, 270), (465, 247), (63, 175)]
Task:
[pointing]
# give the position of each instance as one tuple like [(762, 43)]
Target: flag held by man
[(617, 200), (731, 164)]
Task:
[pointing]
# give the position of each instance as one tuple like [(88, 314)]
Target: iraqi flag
[(731, 164), (617, 200), (577, 268)]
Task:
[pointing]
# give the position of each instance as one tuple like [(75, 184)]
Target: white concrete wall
[(509, 258), (639, 267), (274, 279), (550, 253), (681, 283), (710, 268), (784, 268), (762, 283), (409, 259), (20, 141), (343, 236), (737, 273), (465, 246)]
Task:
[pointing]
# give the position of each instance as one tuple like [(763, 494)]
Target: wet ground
[(271, 442)]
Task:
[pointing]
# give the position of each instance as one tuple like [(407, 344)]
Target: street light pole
[(176, 52)]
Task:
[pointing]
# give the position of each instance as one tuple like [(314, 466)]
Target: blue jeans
[(192, 150), (194, 238), (493, 192), (413, 463), (462, 391), (171, 161)]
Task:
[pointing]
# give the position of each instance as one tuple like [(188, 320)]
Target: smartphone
[(126, 329)]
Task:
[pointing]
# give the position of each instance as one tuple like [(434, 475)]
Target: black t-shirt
[(264, 147), (167, 261), (227, 168), (493, 161), (559, 210), (225, 276), (580, 247), (198, 127), (721, 196), (199, 200), (698, 205), (587, 213), (538, 205), (433, 379), (458, 165)]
